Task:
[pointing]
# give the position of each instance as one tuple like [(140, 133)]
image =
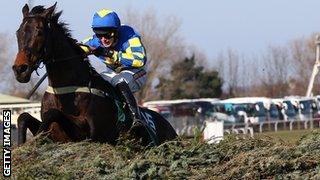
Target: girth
[(75, 89)]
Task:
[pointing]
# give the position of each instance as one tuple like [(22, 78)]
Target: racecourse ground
[(236, 157)]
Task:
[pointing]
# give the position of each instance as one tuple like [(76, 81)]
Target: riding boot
[(128, 97)]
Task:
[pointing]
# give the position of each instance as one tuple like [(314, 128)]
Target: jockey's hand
[(100, 51), (87, 49)]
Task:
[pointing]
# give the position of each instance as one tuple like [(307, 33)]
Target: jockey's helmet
[(105, 18), (106, 23)]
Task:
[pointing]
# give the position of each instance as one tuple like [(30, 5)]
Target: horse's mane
[(63, 27), (54, 20)]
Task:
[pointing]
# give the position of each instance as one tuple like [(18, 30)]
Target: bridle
[(47, 56)]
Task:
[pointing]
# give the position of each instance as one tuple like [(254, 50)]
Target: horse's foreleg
[(60, 127), (25, 121), (57, 133)]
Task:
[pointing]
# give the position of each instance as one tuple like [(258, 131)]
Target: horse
[(78, 103)]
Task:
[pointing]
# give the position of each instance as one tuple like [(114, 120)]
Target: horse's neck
[(67, 72)]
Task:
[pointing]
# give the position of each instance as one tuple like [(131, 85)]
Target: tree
[(188, 80), (210, 85), (276, 74), (163, 44), (303, 54), (229, 67)]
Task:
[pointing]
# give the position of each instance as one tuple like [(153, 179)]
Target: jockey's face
[(106, 42), (107, 37)]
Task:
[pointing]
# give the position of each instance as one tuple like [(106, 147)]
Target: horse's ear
[(25, 10), (48, 12)]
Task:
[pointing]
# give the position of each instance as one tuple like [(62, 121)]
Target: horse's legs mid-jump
[(60, 128), (53, 121), (26, 121)]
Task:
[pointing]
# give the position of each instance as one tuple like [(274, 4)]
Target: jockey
[(120, 48)]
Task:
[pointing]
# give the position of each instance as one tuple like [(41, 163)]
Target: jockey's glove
[(85, 48), (101, 51), (112, 58)]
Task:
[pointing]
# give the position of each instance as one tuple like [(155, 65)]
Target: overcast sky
[(247, 26)]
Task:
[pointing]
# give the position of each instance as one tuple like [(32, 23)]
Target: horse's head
[(32, 37)]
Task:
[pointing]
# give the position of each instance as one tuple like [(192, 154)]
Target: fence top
[(24, 105), (7, 99)]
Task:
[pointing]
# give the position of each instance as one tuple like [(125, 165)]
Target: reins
[(47, 56), (54, 60)]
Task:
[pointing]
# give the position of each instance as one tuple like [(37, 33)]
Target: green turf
[(235, 157), (290, 137)]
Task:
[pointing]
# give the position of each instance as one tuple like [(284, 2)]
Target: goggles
[(104, 33)]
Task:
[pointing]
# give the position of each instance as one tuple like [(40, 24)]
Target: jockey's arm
[(91, 44), (134, 54)]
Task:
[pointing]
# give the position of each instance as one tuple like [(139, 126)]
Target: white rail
[(16, 109)]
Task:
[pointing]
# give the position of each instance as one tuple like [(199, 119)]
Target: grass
[(290, 137), (233, 158)]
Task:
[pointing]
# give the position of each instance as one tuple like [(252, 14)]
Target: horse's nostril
[(21, 68)]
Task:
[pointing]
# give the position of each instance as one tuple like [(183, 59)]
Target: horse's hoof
[(136, 126), (138, 129)]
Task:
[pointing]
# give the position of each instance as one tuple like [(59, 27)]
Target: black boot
[(138, 123)]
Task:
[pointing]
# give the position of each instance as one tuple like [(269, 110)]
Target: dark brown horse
[(78, 104)]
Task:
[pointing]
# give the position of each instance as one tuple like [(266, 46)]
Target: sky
[(248, 26)]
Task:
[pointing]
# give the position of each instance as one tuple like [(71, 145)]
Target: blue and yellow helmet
[(105, 18)]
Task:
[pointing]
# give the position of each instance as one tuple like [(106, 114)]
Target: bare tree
[(276, 74), (229, 69), (250, 75), (281, 71), (163, 44), (303, 53)]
